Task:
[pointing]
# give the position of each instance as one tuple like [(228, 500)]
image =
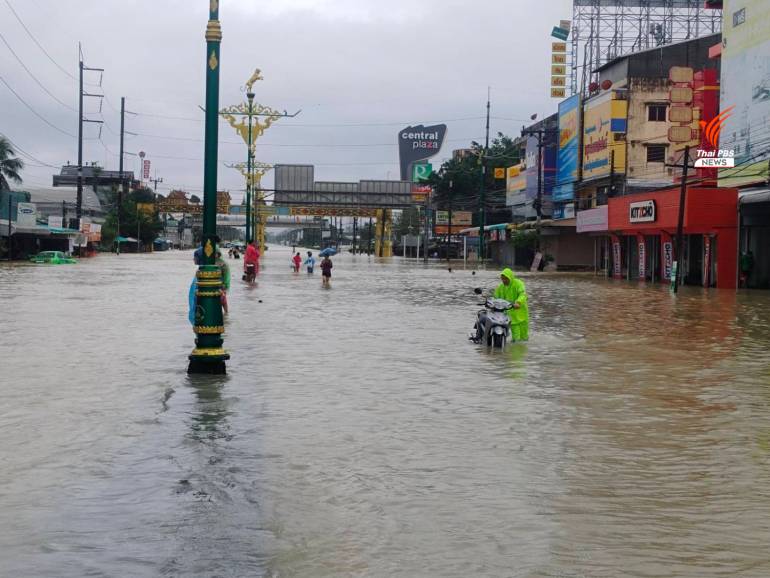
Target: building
[(745, 93)]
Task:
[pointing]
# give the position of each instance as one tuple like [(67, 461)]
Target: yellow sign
[(516, 179), (499, 173), (559, 81), (604, 127), (332, 212), (558, 93), (558, 47), (558, 70), (557, 58), (146, 208)]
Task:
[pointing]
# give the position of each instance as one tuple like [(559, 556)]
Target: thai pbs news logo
[(717, 158)]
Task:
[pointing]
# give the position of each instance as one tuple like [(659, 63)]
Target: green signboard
[(560, 33), (421, 172)]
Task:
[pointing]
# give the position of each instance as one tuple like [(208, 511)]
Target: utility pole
[(449, 230), (678, 264), (541, 134), (81, 120), (63, 215), (155, 182), (482, 195), (122, 187)]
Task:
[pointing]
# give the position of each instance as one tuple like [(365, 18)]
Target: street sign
[(499, 173), (560, 33), (680, 113), (681, 74), (558, 70), (681, 94), (682, 134), (558, 58), (421, 172)]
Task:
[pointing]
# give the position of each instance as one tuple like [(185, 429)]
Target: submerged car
[(52, 258)]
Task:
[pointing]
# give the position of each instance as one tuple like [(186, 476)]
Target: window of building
[(656, 112), (656, 153)]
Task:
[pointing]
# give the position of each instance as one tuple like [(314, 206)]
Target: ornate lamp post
[(209, 356), (250, 130)]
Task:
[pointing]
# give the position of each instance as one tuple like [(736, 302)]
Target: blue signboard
[(568, 164)]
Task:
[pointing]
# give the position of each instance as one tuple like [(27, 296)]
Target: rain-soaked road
[(359, 433)]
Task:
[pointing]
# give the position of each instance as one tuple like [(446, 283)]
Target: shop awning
[(751, 196), (498, 227)]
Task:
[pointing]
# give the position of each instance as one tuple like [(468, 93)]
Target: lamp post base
[(208, 361)]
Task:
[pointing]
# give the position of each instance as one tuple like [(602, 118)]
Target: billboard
[(26, 214), (515, 184), (417, 143), (746, 87), (460, 218), (604, 128), (568, 159)]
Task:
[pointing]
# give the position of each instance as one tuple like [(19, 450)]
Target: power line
[(26, 154), (37, 114), (40, 46), (40, 84)]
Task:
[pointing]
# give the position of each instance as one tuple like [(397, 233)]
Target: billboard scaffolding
[(603, 30)]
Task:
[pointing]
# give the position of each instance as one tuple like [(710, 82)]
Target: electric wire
[(40, 46), (37, 114)]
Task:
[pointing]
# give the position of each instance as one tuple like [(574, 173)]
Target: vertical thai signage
[(706, 261), (568, 156), (604, 128), (559, 66), (617, 271), (642, 257), (146, 169), (746, 86), (667, 248)]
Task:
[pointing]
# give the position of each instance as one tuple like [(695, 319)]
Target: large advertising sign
[(417, 143), (461, 218), (568, 159), (515, 183), (746, 87), (604, 121), (532, 166)]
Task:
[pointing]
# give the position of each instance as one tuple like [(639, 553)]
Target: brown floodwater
[(359, 433)]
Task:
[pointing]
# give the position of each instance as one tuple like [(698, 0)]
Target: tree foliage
[(10, 165), (132, 219)]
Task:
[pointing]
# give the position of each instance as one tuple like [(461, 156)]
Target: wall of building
[(642, 133)]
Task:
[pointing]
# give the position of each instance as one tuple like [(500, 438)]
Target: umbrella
[(328, 251)]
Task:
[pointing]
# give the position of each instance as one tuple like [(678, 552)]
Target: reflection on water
[(359, 433)]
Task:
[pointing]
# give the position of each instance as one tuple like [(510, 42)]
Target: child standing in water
[(326, 270), (310, 262), (297, 260)]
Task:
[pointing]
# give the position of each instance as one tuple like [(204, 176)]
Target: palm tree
[(9, 165)]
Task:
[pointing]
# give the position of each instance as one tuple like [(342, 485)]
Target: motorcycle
[(493, 326)]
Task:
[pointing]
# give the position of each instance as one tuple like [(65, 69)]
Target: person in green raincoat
[(512, 289)]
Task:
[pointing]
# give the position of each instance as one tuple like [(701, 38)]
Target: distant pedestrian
[(198, 256), (297, 261), (225, 269), (326, 270), (747, 265), (250, 263), (310, 262)]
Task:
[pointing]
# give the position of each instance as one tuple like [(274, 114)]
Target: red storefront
[(642, 228)]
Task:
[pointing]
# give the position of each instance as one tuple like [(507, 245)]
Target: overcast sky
[(360, 70)]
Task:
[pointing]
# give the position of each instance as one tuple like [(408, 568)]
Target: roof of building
[(44, 195), (716, 37)]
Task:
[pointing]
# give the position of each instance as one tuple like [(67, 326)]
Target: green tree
[(133, 219), (10, 165), (407, 223), (464, 175)]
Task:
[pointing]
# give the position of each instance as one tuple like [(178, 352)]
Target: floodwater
[(359, 433)]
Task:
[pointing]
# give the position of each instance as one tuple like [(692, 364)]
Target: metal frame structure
[(399, 198), (603, 30)]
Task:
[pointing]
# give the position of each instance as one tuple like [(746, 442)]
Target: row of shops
[(633, 237)]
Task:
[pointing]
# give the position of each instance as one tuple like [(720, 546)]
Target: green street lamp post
[(249, 174), (209, 356)]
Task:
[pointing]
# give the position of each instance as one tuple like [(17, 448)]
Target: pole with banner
[(209, 356)]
